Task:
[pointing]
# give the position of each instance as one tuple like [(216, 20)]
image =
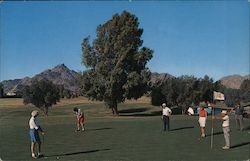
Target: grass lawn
[(135, 136)]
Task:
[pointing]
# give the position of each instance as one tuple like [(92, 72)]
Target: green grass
[(136, 136)]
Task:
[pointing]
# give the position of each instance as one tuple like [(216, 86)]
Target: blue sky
[(188, 38)]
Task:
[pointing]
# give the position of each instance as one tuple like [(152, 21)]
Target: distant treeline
[(188, 90)]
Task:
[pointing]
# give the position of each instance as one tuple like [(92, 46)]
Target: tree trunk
[(114, 109), (45, 111)]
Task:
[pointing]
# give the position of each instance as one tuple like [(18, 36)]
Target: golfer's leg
[(33, 149), (164, 123), (78, 125), (39, 147), (241, 122), (82, 126), (237, 122), (167, 121), (203, 131), (226, 136)]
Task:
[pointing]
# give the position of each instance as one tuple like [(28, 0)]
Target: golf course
[(135, 135)]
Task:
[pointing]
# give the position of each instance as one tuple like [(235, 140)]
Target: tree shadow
[(105, 128), (239, 145), (77, 153), (182, 128), (215, 133), (133, 110), (153, 113)]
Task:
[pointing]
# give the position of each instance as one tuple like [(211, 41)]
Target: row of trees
[(1, 90), (188, 90), (184, 91)]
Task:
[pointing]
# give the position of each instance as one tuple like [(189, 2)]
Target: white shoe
[(225, 147), (33, 156)]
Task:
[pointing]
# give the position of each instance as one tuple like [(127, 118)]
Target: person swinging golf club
[(34, 134), (79, 118)]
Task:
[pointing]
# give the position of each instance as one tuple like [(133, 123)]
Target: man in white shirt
[(34, 135), (166, 112), (225, 128)]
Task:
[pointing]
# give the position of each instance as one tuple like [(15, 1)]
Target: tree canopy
[(43, 94), (116, 61), (1, 90)]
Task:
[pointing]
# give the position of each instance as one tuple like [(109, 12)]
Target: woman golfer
[(202, 119), (79, 118), (34, 135)]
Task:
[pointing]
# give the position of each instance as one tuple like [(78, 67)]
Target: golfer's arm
[(40, 129)]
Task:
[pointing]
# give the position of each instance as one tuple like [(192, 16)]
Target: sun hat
[(164, 105), (34, 113), (224, 111)]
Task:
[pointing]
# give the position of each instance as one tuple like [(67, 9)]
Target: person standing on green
[(34, 134), (239, 116), (166, 112), (202, 119)]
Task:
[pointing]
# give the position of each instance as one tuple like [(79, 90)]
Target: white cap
[(224, 111), (164, 105), (34, 113)]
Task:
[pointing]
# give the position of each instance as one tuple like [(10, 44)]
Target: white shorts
[(202, 121)]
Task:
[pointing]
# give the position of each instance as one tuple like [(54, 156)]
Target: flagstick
[(212, 131)]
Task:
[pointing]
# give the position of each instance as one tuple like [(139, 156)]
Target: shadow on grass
[(239, 145), (182, 128), (246, 128), (133, 110), (154, 113), (105, 128), (77, 153), (215, 133)]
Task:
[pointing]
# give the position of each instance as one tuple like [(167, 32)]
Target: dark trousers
[(166, 123)]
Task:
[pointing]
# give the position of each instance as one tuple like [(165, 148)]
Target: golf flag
[(219, 96)]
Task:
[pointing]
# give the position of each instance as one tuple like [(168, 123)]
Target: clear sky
[(188, 38)]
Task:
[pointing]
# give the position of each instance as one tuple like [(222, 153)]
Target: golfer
[(225, 128), (34, 135), (166, 112), (202, 118), (239, 116), (79, 118)]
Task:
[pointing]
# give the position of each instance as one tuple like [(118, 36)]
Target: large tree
[(43, 94), (116, 61), (1, 90)]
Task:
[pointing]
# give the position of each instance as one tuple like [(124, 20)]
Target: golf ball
[(57, 157)]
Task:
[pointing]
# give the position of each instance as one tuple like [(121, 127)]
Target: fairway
[(136, 135)]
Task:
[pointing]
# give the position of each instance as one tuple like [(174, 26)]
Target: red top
[(203, 113)]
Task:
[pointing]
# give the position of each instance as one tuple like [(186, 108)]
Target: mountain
[(60, 75), (158, 78), (233, 81)]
